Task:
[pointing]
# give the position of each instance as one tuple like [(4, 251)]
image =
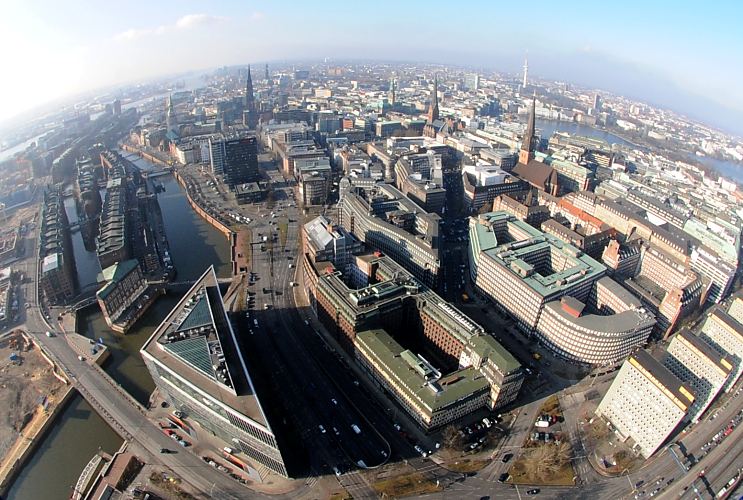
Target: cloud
[(130, 34), (188, 21), (192, 20), (257, 16)]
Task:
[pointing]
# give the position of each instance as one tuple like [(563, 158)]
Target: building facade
[(195, 360), (697, 364), (645, 403)]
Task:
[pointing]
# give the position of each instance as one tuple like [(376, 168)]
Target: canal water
[(75, 437), (194, 245)]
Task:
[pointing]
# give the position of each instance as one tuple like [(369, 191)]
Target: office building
[(436, 362), (484, 183), (234, 158), (196, 362), (603, 330), (725, 334), (472, 81), (645, 403), (697, 364), (385, 219), (420, 178), (521, 269), (314, 177), (667, 287), (324, 241)]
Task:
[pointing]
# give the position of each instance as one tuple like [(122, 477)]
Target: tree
[(452, 439), (544, 461)]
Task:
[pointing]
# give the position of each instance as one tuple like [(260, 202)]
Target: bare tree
[(546, 460), (452, 439)]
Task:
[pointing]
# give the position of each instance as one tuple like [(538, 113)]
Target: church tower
[(249, 102), (433, 109), (529, 143)]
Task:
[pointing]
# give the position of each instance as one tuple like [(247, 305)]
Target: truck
[(356, 428)]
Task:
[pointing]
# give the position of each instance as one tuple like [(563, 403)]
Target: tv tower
[(526, 71)]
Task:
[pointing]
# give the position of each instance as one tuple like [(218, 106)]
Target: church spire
[(250, 102), (170, 118), (529, 143), (433, 109)]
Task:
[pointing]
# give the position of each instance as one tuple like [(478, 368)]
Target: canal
[(194, 245)]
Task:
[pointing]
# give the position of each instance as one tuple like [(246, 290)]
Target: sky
[(687, 56)]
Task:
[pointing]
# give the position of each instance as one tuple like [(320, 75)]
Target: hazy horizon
[(644, 52)]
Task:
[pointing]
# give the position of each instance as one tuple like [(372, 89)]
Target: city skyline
[(645, 59)]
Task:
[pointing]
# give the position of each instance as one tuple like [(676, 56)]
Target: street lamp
[(632, 486)]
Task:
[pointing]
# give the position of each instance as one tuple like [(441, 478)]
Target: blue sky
[(680, 54)]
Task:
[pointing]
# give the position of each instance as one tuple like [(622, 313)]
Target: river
[(194, 245)]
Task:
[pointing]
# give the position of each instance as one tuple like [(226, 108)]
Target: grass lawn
[(406, 485), (562, 477), (466, 465)]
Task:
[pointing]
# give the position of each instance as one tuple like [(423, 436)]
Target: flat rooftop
[(432, 390), (196, 341), (518, 247)]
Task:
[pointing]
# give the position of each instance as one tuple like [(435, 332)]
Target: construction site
[(30, 393)]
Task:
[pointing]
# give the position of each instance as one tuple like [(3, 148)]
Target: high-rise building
[(472, 81), (433, 108), (695, 363), (596, 102), (235, 159), (645, 403), (724, 334), (196, 362)]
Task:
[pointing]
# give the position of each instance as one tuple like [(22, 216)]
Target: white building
[(694, 362), (645, 403), (724, 334)]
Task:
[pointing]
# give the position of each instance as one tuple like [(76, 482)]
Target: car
[(337, 472), (532, 491), (322, 429), (506, 457), (336, 431), (334, 401), (503, 477), (164, 450), (397, 427)]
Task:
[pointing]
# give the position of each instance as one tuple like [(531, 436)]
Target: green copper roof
[(195, 352), (199, 316), (113, 274)]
